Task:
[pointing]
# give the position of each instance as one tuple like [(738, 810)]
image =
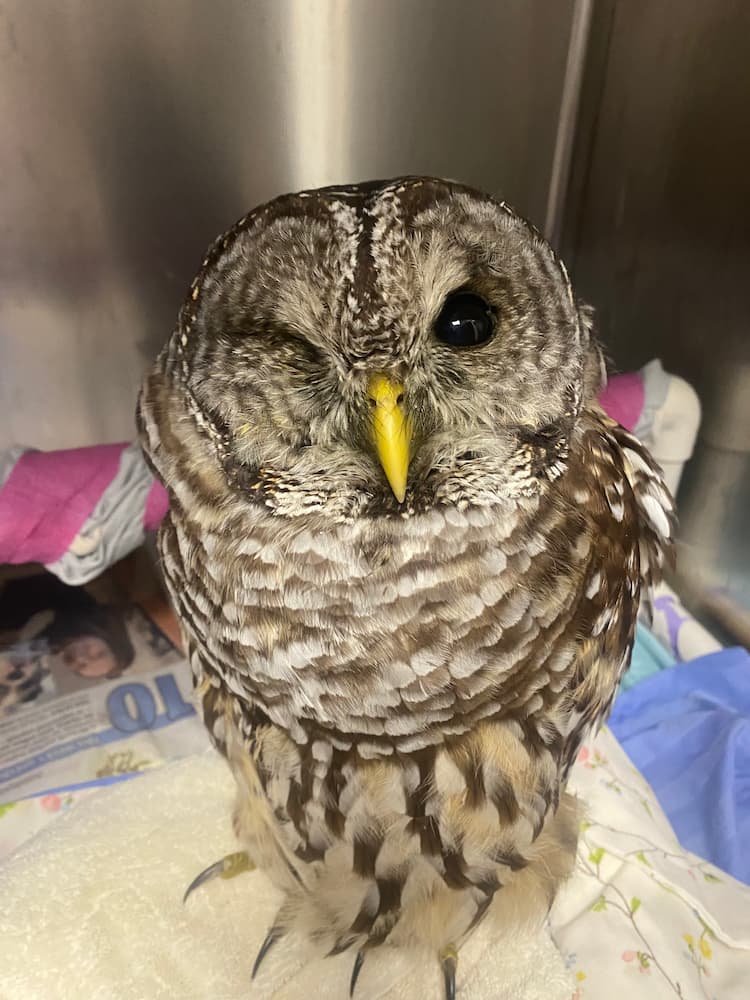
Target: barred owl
[(406, 548)]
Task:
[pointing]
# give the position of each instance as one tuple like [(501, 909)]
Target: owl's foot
[(448, 958), (229, 866)]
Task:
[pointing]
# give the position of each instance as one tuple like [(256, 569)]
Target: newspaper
[(89, 690)]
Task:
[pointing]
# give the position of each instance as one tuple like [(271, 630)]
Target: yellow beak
[(390, 431)]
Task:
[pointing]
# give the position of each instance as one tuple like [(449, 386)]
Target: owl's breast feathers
[(411, 692)]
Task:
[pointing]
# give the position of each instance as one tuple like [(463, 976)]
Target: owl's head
[(379, 348)]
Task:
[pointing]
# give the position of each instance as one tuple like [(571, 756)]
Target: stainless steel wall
[(658, 237), (133, 131), (658, 230)]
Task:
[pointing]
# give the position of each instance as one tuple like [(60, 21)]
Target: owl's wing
[(633, 520), (614, 504)]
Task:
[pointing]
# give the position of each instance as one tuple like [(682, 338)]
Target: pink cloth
[(157, 505), (623, 398), (48, 497)]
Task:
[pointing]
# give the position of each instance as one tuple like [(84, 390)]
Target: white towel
[(93, 909)]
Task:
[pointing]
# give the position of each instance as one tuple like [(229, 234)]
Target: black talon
[(271, 938), (226, 867), (358, 962), (341, 946), (448, 963), (208, 873)]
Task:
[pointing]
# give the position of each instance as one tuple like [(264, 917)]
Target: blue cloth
[(688, 731), (649, 657)]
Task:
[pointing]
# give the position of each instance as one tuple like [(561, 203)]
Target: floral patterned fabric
[(642, 918)]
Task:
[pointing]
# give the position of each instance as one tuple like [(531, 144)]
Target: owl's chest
[(320, 603), (383, 630)]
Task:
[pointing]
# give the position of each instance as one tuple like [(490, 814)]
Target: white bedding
[(96, 909)]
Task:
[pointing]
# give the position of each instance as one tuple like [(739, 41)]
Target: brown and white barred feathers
[(407, 550)]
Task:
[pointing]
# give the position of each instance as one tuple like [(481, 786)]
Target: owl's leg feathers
[(227, 867), (448, 958)]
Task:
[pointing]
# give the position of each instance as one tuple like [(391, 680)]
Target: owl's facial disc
[(390, 430)]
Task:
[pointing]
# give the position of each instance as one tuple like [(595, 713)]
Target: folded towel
[(97, 906), (77, 511)]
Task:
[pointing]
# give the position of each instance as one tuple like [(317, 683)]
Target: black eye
[(465, 321)]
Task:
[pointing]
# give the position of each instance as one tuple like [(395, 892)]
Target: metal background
[(658, 237), (658, 223), (134, 131)]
